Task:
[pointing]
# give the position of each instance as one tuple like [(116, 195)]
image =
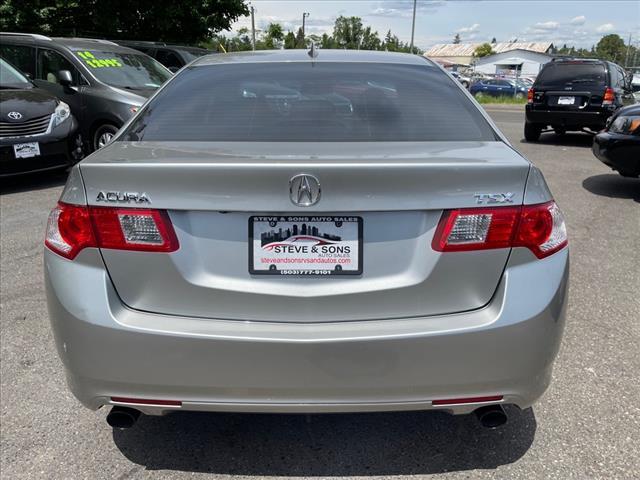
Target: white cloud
[(404, 8), (605, 27), (387, 12), (471, 29), (579, 20), (546, 26)]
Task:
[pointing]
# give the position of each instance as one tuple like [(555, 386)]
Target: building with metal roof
[(512, 62), (462, 53)]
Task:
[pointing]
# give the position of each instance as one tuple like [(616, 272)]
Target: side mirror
[(64, 78)]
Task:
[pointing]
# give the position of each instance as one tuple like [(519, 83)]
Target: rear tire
[(103, 135), (532, 132)]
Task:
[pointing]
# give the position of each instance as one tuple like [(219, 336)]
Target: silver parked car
[(291, 231)]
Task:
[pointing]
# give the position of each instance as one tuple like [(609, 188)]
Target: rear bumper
[(620, 152), (505, 348), (569, 119)]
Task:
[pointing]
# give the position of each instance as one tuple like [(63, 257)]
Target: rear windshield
[(305, 101), (588, 74)]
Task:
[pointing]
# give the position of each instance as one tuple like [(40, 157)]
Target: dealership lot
[(586, 425)]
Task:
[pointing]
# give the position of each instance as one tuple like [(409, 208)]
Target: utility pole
[(413, 25), (253, 29), (626, 57), (304, 16)]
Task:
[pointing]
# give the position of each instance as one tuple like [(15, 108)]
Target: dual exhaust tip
[(489, 416)]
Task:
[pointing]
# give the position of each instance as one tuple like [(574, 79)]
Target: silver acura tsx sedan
[(293, 231)]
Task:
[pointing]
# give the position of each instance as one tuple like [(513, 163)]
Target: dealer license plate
[(566, 100), (26, 150), (305, 245)]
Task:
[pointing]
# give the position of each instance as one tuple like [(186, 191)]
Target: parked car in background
[(635, 84), (105, 83), (464, 80), (283, 232), (526, 81), (575, 94), (37, 131), (618, 145), (174, 57), (497, 87)]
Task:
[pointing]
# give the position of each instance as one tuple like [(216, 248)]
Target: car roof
[(301, 55), (574, 61), (145, 43), (72, 43), (91, 43)]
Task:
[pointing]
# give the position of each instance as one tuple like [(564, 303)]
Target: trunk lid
[(398, 189)]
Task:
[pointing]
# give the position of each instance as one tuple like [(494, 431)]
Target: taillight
[(530, 94), (609, 96), (540, 228), (72, 228), (69, 230)]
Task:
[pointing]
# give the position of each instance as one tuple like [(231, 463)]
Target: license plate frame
[(567, 100), (333, 234), (26, 150)]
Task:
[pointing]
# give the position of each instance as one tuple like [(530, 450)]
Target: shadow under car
[(398, 443)]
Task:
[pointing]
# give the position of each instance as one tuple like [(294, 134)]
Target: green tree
[(273, 36), (348, 32), (289, 40), (240, 42), (370, 40), (300, 40), (187, 21), (494, 41), (456, 39), (483, 50), (326, 41), (611, 47)]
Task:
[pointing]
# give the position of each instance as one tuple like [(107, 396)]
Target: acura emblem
[(304, 190), (14, 115)]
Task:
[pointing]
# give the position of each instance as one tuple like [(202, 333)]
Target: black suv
[(37, 131), (174, 57), (575, 94), (104, 83)]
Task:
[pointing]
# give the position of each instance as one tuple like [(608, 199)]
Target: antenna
[(313, 51)]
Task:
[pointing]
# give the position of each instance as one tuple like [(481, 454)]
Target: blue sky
[(575, 22)]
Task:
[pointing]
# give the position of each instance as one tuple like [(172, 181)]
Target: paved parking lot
[(586, 426)]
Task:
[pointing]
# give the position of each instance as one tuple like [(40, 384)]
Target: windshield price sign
[(91, 60)]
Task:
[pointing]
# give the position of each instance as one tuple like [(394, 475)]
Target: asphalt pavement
[(586, 426)]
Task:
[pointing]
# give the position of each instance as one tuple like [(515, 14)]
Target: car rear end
[(571, 95), (311, 242)]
